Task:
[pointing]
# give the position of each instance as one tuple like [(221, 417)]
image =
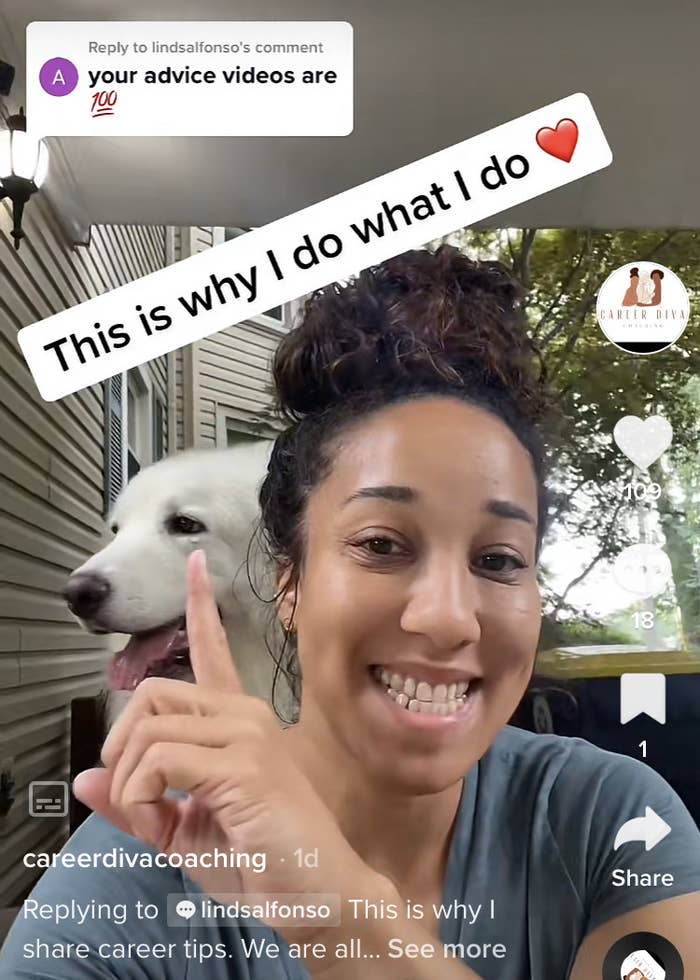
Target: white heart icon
[(643, 440)]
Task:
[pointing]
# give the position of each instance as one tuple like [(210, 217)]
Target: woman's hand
[(228, 752)]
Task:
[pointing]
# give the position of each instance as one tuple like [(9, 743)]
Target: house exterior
[(63, 463), (220, 385)]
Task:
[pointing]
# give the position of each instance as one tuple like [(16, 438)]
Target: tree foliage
[(594, 384)]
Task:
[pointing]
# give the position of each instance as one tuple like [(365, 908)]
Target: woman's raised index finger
[(210, 655)]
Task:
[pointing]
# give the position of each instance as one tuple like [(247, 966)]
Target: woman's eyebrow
[(506, 508), (402, 495), (407, 495)]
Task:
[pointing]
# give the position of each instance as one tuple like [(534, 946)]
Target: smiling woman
[(404, 508), (410, 485)]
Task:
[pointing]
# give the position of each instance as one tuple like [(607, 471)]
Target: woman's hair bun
[(423, 318)]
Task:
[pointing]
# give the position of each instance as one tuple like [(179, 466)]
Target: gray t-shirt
[(534, 834)]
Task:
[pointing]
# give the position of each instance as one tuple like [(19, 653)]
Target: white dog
[(136, 584)]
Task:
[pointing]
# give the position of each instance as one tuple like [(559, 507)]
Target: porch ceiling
[(428, 74)]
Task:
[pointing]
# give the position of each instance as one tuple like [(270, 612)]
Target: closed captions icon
[(48, 798)]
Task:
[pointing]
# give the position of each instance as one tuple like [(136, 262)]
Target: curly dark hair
[(424, 323)]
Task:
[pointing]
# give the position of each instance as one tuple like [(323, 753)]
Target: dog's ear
[(286, 596)]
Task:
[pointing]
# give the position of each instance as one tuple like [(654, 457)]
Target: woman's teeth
[(441, 699)]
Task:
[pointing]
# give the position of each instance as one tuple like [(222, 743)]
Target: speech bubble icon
[(643, 694), (643, 440), (642, 569), (185, 909)]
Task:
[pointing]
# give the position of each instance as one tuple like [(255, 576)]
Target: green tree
[(594, 384)]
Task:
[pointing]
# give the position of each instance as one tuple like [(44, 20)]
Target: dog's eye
[(181, 524), (114, 528)]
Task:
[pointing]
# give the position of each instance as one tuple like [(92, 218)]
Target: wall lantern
[(24, 163)]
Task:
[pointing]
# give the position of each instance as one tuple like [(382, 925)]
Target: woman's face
[(419, 561)]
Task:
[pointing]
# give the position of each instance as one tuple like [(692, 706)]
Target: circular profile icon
[(58, 76), (642, 307), (643, 956)]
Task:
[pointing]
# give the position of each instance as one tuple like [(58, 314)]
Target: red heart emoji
[(559, 142)]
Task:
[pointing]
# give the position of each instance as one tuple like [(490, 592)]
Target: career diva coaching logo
[(642, 307)]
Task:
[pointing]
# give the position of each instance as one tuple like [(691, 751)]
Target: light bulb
[(5, 154), (42, 166), (25, 154)]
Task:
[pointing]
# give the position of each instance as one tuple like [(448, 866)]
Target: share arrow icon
[(651, 828)]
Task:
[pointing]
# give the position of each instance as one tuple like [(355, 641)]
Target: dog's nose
[(85, 592)]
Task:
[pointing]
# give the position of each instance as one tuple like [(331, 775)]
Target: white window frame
[(225, 414), (278, 327), (146, 395), (143, 382), (270, 323), (137, 380)]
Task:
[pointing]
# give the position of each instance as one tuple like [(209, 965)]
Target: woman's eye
[(181, 524), (499, 562), (381, 546)]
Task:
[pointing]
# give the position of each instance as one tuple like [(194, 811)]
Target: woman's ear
[(287, 597)]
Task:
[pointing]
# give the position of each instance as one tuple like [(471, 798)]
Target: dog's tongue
[(143, 649)]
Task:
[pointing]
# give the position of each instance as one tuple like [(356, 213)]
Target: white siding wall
[(234, 374), (51, 486), (226, 374), (51, 483)]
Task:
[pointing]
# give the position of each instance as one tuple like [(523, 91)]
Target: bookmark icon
[(643, 694)]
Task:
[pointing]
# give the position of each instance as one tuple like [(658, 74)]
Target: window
[(230, 233), (234, 436), (135, 418), (276, 313), (278, 317), (232, 430), (158, 427), (138, 424)]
